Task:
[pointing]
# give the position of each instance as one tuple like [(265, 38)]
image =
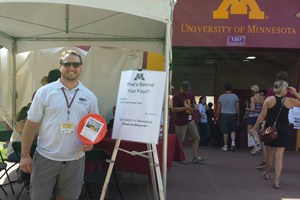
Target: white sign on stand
[(137, 118), (139, 106)]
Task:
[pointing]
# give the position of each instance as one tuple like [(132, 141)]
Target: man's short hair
[(67, 53), (227, 86), (186, 86), (282, 76)]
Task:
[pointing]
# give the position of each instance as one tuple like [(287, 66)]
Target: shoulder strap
[(255, 99)]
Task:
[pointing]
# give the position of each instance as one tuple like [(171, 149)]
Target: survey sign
[(139, 106), (294, 117)]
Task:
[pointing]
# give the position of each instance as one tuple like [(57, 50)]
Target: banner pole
[(166, 106)]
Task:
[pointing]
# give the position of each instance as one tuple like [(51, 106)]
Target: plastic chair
[(23, 177), (99, 158), (3, 167), (17, 147), (5, 137)]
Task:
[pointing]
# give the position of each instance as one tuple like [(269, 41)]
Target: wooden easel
[(154, 169)]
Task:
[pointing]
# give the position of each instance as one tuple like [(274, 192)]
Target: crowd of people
[(261, 110), (59, 105)]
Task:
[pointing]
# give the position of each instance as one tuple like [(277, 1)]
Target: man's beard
[(72, 77)]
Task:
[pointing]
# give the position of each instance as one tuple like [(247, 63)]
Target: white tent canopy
[(32, 25), (44, 24), (40, 24)]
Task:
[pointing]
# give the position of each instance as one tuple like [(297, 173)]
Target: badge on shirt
[(67, 128)]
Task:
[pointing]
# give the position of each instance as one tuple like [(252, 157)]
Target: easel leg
[(109, 171), (152, 171), (158, 173)]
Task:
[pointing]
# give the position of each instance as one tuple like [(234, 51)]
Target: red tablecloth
[(128, 163)]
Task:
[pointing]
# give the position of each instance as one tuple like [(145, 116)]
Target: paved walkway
[(232, 176), (223, 176)]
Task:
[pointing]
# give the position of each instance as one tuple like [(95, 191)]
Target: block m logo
[(238, 7), (139, 76)]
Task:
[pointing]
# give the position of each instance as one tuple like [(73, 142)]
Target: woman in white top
[(16, 135), (203, 125)]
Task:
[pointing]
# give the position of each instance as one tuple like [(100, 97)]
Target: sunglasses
[(74, 64)]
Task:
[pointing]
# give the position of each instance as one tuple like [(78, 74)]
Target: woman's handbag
[(270, 133)]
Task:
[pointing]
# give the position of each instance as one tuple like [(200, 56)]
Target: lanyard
[(69, 104)]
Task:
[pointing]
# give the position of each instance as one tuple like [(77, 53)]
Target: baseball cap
[(186, 85)]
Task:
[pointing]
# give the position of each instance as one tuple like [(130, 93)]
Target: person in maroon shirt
[(280, 76), (184, 105)]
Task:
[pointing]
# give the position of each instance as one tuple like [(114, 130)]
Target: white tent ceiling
[(41, 24), (44, 24)]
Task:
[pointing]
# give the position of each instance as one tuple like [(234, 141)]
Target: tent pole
[(298, 73), (14, 95), (166, 107), (67, 18)]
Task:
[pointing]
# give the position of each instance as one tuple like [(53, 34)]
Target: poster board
[(139, 106), (294, 117)]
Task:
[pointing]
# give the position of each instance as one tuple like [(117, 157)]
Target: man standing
[(57, 168), (228, 110), (184, 104)]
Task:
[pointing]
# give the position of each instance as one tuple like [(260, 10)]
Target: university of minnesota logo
[(139, 76), (238, 7)]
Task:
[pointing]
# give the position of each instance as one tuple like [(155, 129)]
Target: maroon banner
[(244, 23)]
